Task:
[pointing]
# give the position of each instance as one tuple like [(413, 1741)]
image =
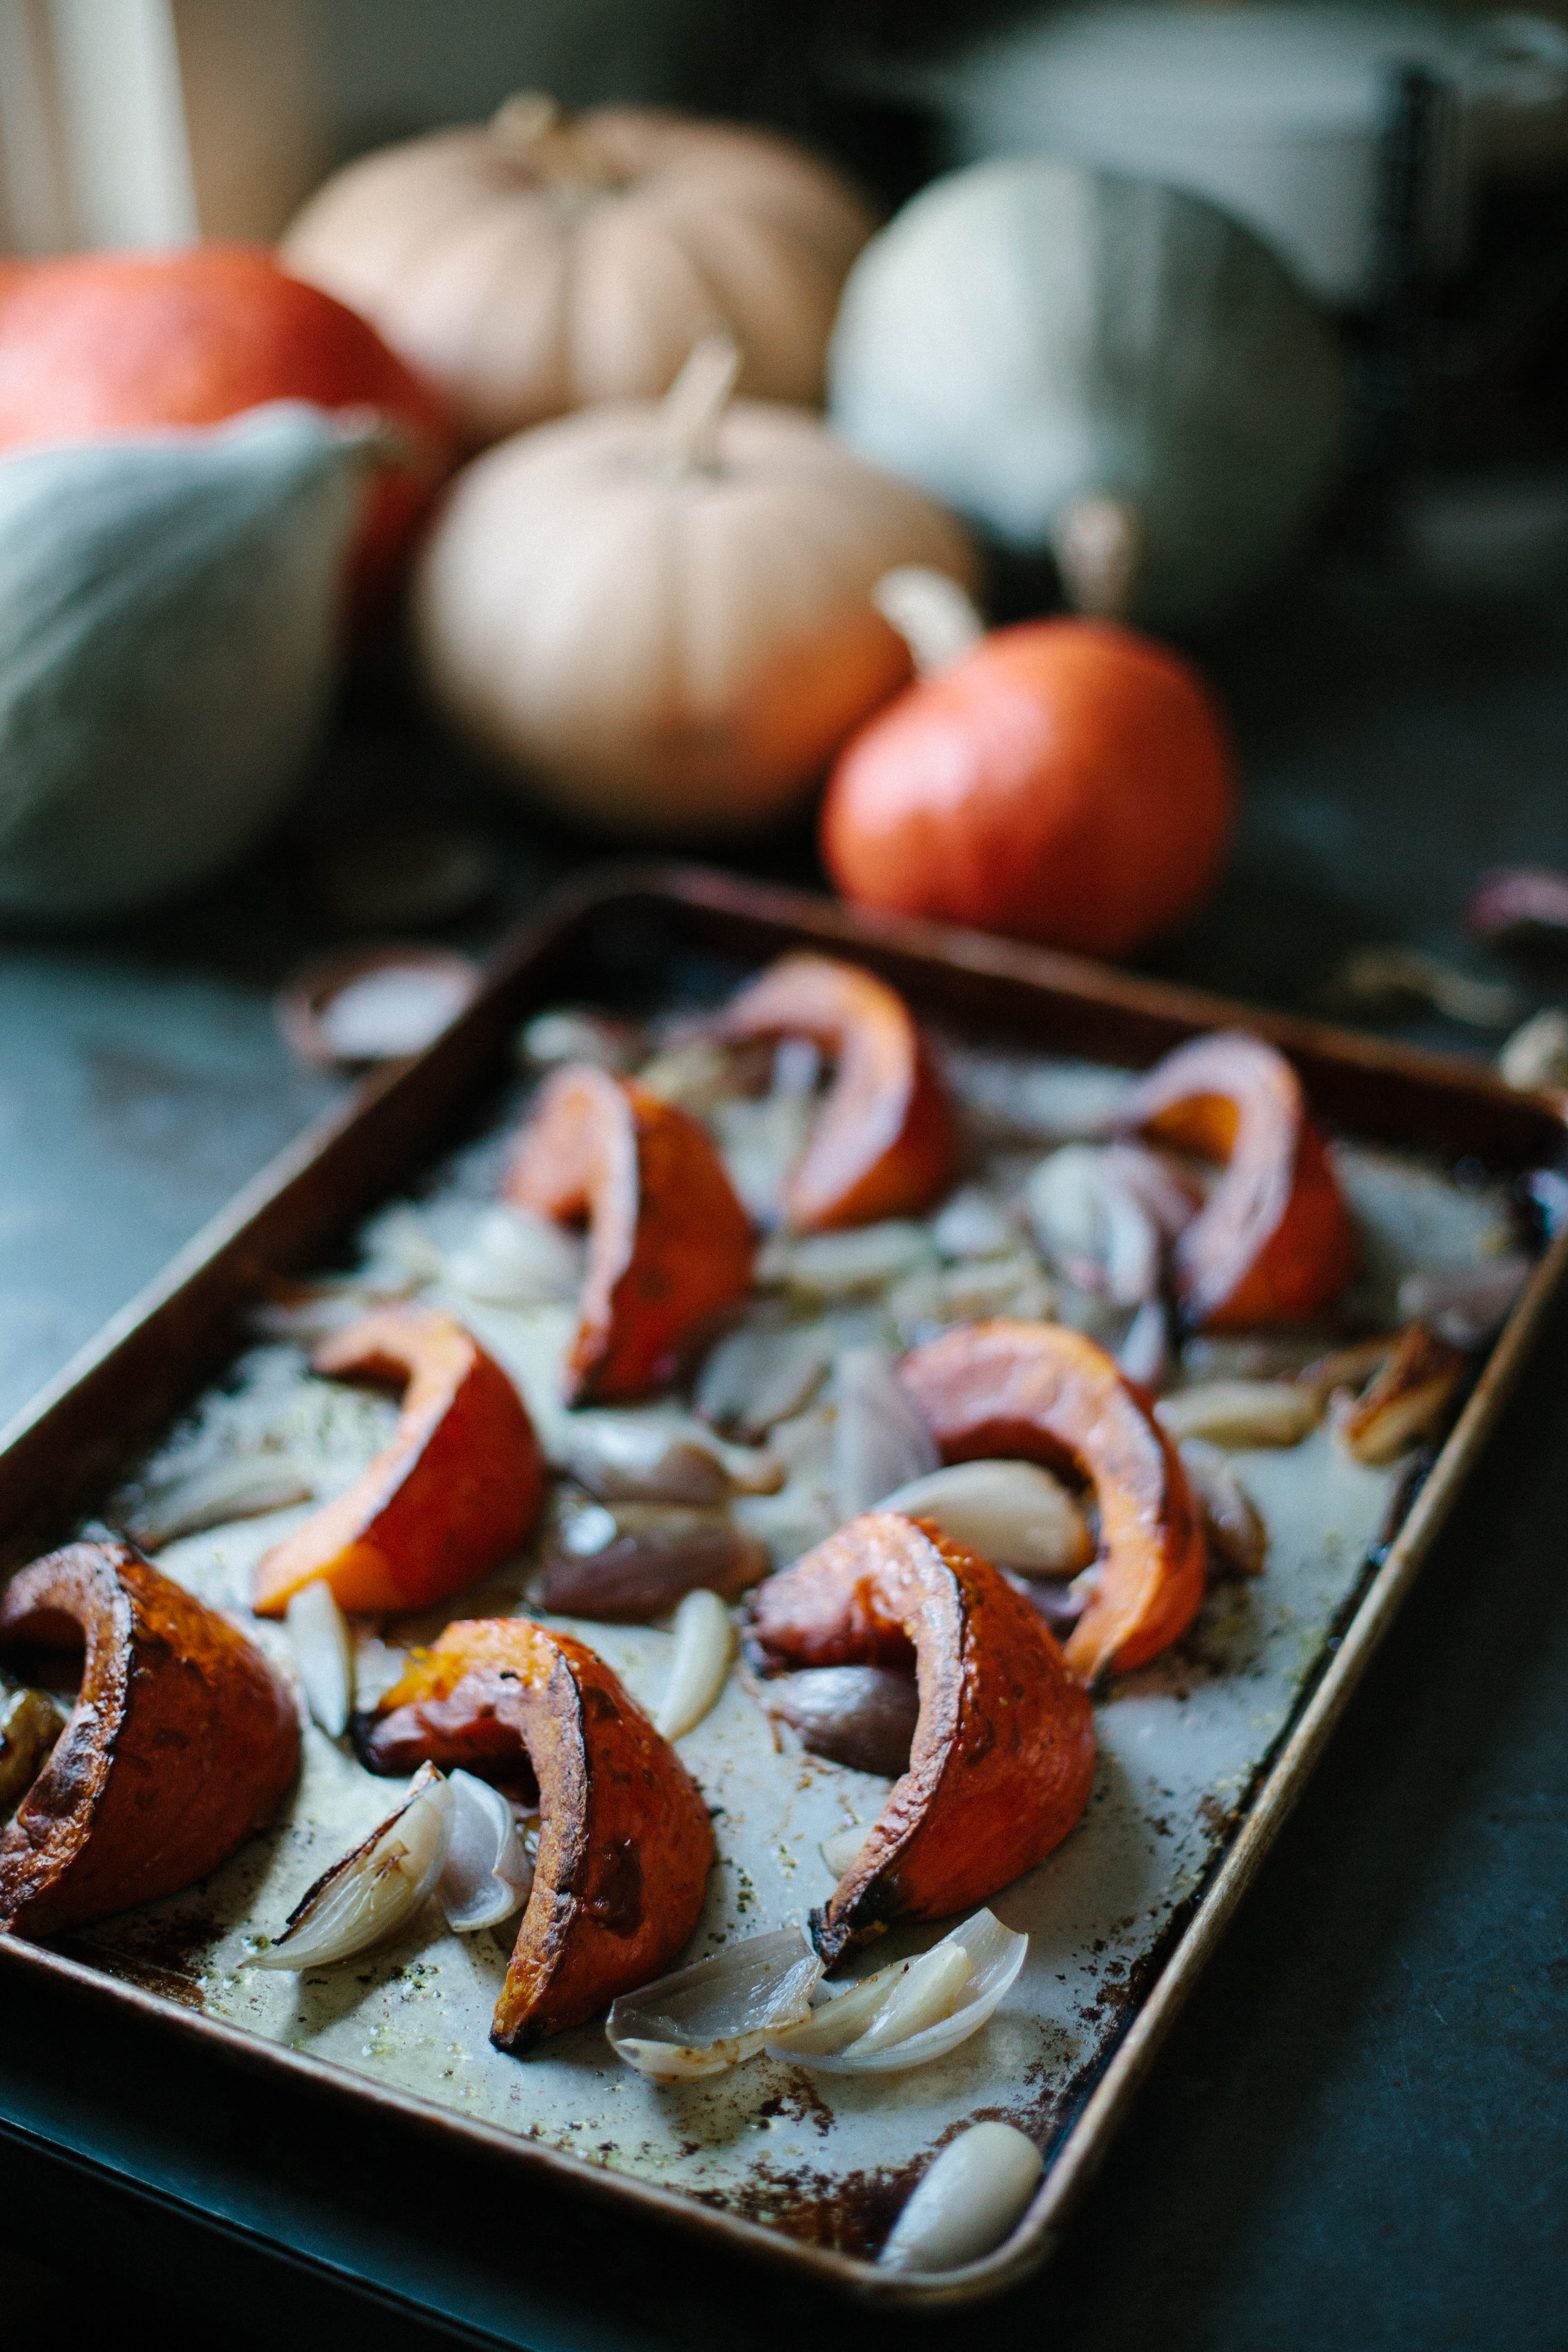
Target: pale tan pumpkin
[(537, 263), (658, 615)]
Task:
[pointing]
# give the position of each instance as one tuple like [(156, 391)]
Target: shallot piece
[(967, 2203), (513, 1258), (30, 1723), (1146, 1354), (638, 1560), (839, 1265), (1092, 1226), (624, 1458), (1536, 1056), (752, 1379), (376, 1889), (913, 2012), (323, 1655), (1061, 1605), (245, 1487), (1407, 1401), (1518, 900), (1237, 1537), (1465, 1308), (863, 1716), (705, 2018), (1241, 1412), (487, 1875), (568, 1034), (973, 1226), (879, 1441), (1157, 1184), (704, 1645), (839, 1847), (1014, 1514)]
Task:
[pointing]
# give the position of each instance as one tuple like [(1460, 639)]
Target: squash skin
[(1002, 1757), (1069, 782), (521, 307), (625, 1844), (886, 1143), (97, 343), (1274, 1241), (456, 1490), (669, 1243), (1044, 1394), (184, 1742)]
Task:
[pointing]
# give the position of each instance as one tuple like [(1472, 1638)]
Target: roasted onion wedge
[(1274, 1242), (182, 1743), (669, 1243), (459, 1485), (625, 1840), (885, 1143), (1003, 1754), (916, 2011), (719, 2011), (1046, 1394)]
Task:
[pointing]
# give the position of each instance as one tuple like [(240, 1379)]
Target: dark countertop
[(1358, 2131)]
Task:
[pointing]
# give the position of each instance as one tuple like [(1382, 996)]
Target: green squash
[(1100, 366), (169, 640)]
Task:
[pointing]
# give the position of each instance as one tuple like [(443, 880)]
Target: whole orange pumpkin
[(1067, 782), (97, 343)]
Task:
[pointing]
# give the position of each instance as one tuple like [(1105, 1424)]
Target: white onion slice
[(323, 1655), (243, 1487), (375, 1889), (833, 1266), (487, 1875), (879, 1441), (513, 1258), (705, 2018), (1241, 1412), (968, 2202), (1013, 1513), (704, 1645), (1144, 1354), (995, 1955)]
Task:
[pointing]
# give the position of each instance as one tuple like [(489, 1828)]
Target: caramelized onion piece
[(379, 1887), (1274, 1241), (885, 1142), (914, 2011), (707, 2018), (1237, 1534), (30, 1723), (860, 1716), (634, 1562), (669, 1243), (1408, 1398)]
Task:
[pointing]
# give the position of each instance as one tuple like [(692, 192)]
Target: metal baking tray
[(1202, 1754)]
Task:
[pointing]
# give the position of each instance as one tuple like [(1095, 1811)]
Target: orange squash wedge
[(456, 1490), (885, 1143), (669, 1243), (1044, 1394), (181, 1744), (624, 1843), (1002, 1755), (1274, 1242)]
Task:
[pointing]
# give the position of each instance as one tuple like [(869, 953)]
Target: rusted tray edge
[(467, 1043)]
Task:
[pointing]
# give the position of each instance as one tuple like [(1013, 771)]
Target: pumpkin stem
[(1099, 543), (538, 134), (693, 407), (931, 612)]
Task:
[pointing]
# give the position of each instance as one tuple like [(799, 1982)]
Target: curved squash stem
[(537, 132), (931, 612), (687, 435), (1099, 543)]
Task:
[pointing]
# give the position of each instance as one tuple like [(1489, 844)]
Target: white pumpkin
[(537, 263), (1098, 365), (658, 616)]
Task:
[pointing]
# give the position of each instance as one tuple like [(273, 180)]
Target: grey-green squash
[(1100, 366), (169, 636)]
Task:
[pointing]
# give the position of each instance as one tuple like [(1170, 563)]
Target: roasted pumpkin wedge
[(182, 1743), (1274, 1242), (669, 1243), (1002, 1755), (1044, 1394), (457, 1488), (885, 1143), (625, 1843)]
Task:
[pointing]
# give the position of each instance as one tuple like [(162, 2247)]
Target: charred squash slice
[(885, 1143), (624, 1843), (1046, 1394), (669, 1243), (1274, 1242), (457, 1488), (182, 1743), (1002, 1755)]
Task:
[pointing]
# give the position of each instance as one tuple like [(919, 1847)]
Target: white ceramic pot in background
[(1274, 111)]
